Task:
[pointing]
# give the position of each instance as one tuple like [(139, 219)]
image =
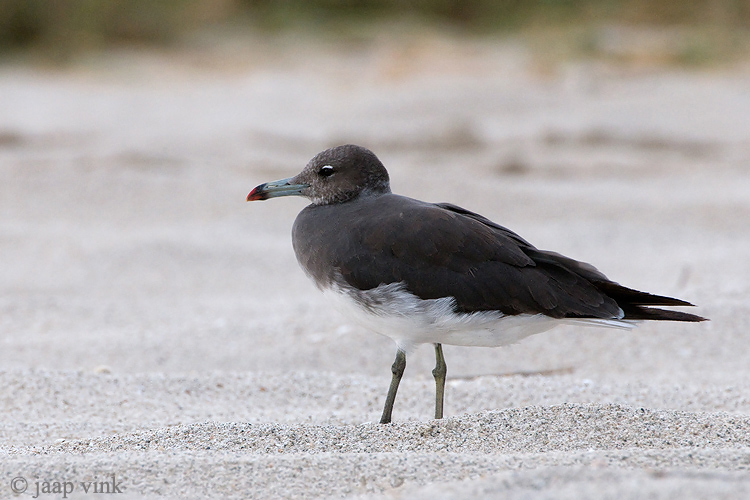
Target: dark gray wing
[(441, 250)]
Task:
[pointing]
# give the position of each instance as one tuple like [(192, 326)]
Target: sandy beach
[(160, 340)]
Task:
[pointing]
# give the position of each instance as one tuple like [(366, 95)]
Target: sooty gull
[(436, 273)]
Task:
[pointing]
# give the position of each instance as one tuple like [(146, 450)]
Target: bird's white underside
[(392, 311)]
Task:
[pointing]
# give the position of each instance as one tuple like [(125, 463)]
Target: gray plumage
[(358, 237)]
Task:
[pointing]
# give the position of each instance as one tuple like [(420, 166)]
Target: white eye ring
[(326, 170)]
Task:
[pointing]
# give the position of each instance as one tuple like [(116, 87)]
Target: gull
[(436, 273)]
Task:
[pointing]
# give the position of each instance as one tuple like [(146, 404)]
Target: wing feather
[(441, 250)]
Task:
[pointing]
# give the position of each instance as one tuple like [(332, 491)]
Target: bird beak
[(274, 189)]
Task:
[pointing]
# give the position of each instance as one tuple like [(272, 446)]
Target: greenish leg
[(398, 371), (439, 373)]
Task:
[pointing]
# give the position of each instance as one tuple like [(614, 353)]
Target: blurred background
[(616, 132), (691, 32)]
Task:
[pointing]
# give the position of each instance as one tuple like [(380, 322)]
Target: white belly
[(392, 311)]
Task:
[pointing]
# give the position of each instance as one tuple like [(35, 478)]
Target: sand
[(159, 339)]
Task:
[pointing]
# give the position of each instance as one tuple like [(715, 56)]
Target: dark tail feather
[(632, 302), (626, 295), (652, 313)]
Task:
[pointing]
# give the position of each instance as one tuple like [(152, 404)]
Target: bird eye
[(325, 171)]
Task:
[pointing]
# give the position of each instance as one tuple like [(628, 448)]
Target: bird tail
[(634, 304), (654, 313)]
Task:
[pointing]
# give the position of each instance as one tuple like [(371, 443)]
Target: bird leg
[(439, 373), (398, 370)]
